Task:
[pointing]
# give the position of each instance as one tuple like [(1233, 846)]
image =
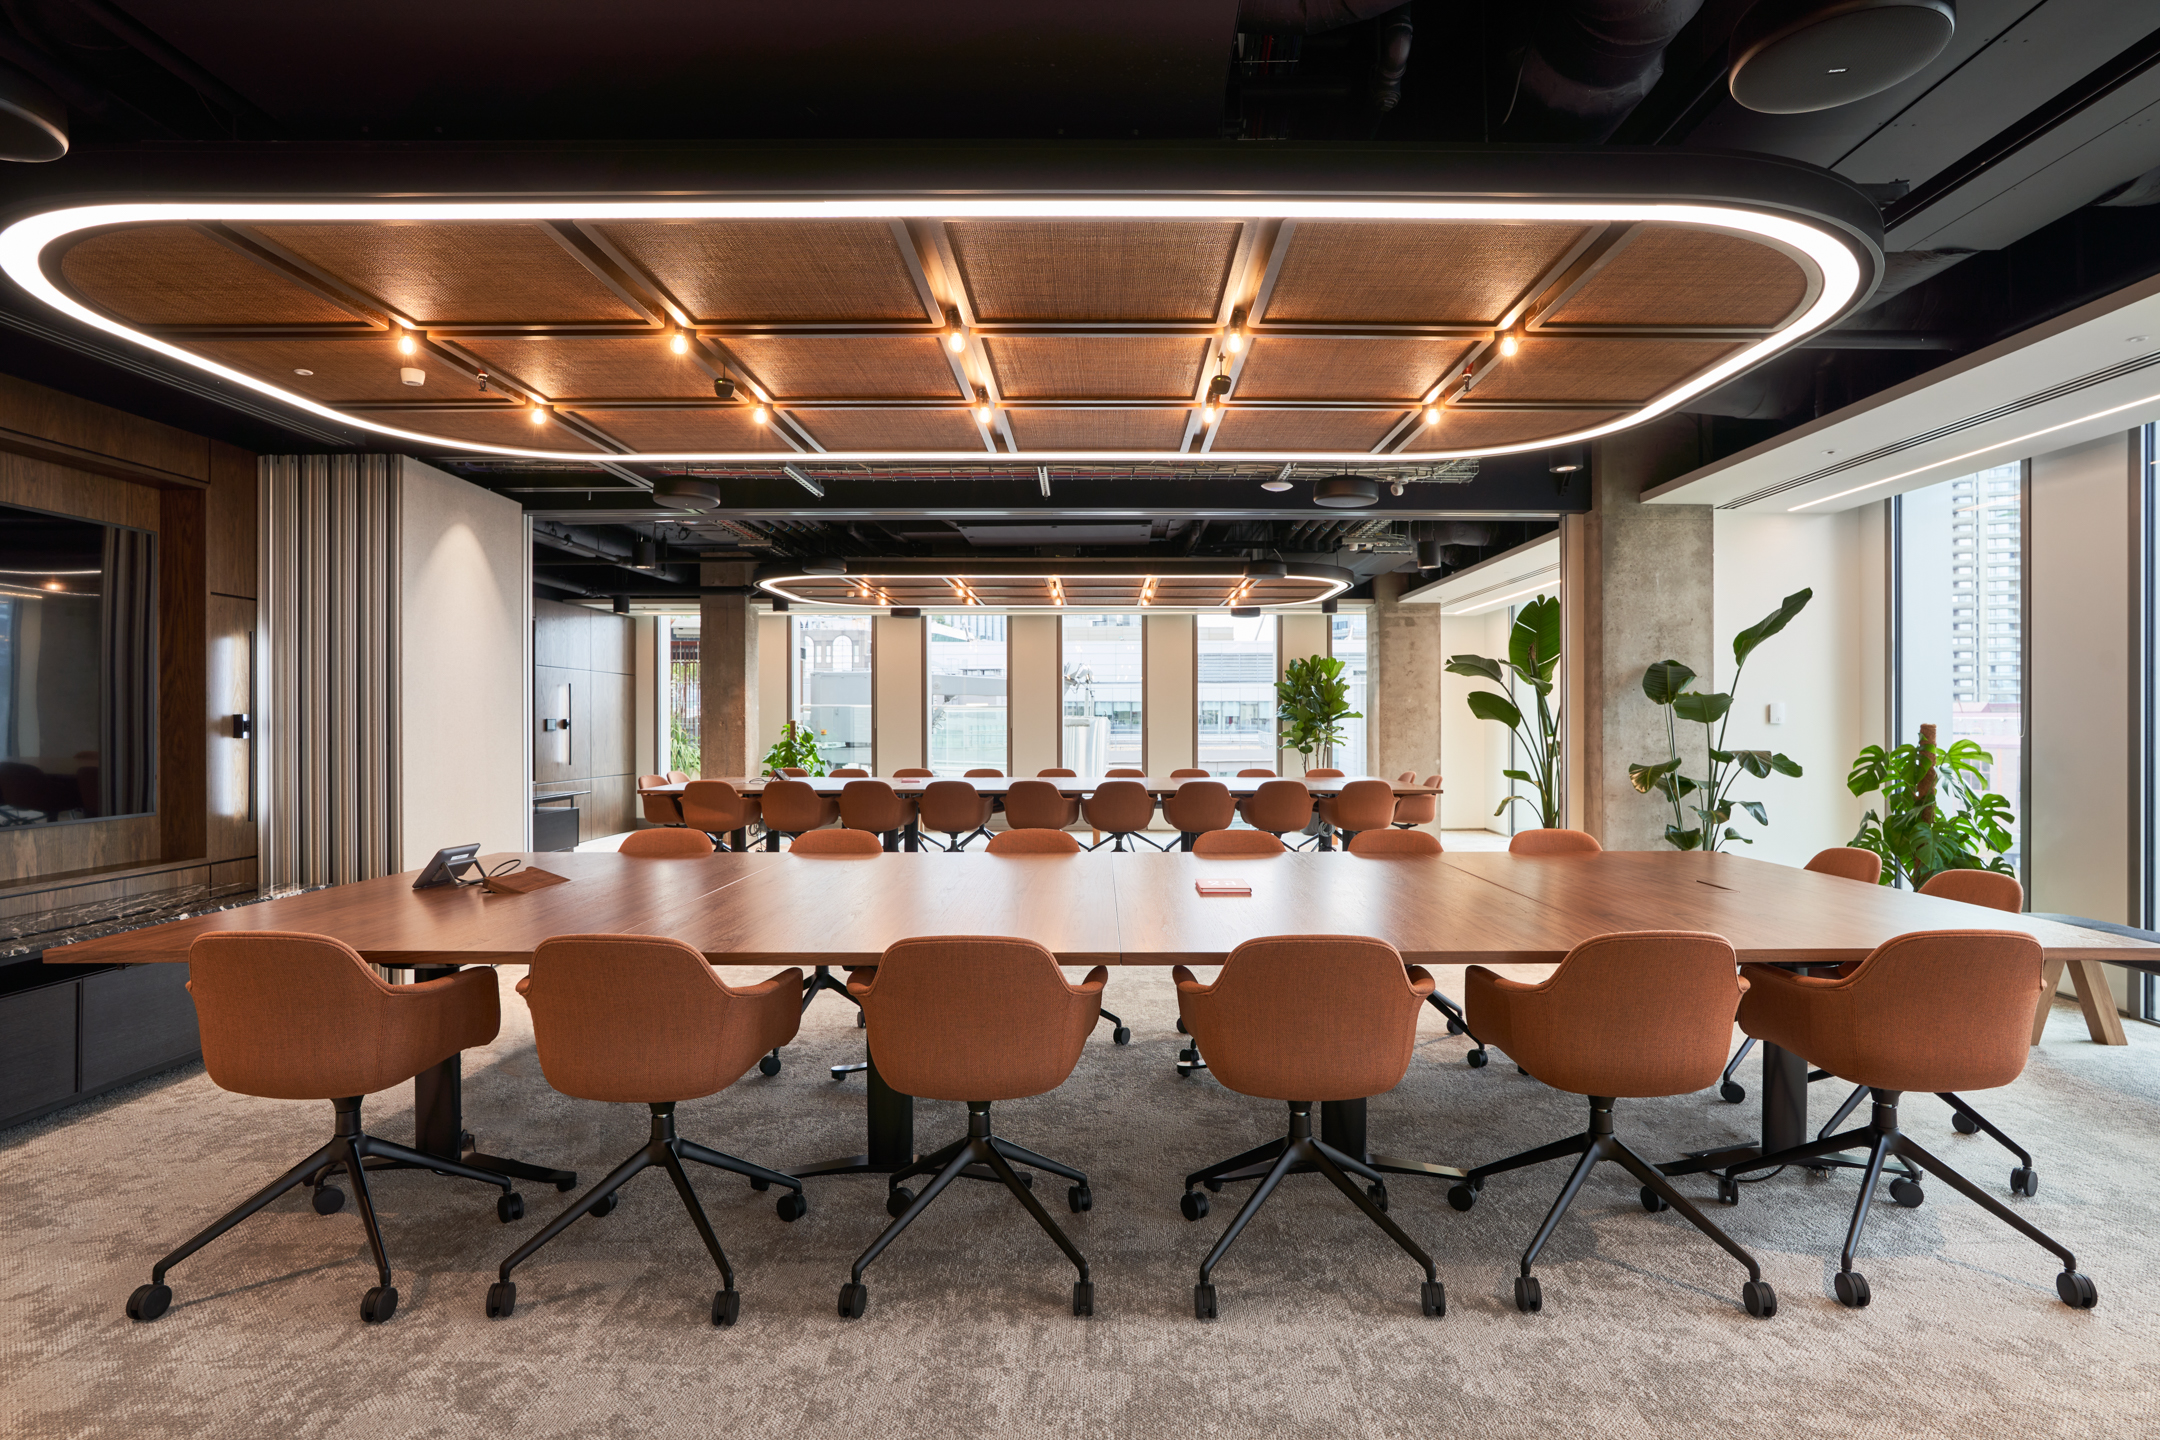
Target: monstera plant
[(1313, 700), (1708, 798), (1937, 812), (1533, 656)]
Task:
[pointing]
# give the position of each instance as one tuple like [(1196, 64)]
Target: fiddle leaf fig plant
[(1533, 656), (1709, 799), (1313, 700), (798, 748)]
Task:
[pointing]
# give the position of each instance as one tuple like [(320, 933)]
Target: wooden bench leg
[(2097, 1000), (2050, 977)]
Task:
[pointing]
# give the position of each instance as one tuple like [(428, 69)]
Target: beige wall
[(1169, 717), (897, 716), (1473, 752), (1033, 670), (774, 656)]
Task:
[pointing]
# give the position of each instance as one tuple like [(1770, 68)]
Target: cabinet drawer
[(37, 1049), (136, 1019)]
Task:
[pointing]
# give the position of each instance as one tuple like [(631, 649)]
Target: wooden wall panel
[(40, 485), (33, 410), (230, 529), (183, 735)]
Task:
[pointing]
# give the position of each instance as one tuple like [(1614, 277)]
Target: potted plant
[(1666, 683), (1937, 812), (796, 748), (1533, 656), (1313, 700)]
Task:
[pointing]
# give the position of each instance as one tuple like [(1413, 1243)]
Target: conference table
[(1105, 908)]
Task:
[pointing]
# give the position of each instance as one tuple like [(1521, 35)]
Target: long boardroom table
[(1116, 909)]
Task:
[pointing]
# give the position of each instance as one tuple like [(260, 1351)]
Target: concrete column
[(1406, 691), (1641, 591), (727, 676)]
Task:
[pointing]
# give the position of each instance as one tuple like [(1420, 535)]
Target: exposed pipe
[(1589, 64)]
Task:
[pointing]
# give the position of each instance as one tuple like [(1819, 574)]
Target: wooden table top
[(1109, 908), (1067, 784)]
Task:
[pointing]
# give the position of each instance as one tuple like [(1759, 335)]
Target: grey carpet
[(968, 1329)]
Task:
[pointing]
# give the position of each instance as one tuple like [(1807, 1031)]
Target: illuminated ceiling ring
[(1055, 584)]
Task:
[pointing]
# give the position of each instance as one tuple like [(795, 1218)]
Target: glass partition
[(1234, 693), (1102, 680), (830, 677), (968, 685)]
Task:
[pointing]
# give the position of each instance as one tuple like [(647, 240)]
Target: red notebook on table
[(1223, 887)]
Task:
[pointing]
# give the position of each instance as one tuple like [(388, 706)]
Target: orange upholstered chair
[(1120, 808), (875, 807), (915, 774), (836, 842), (634, 1019), (954, 809), (658, 809), (1304, 1019), (792, 808), (1189, 774), (1395, 842), (851, 772), (1033, 842), (1198, 806), (1631, 1016), (718, 808), (1279, 807), (1848, 862), (1125, 772), (678, 842), (1884, 1025), (678, 776), (795, 771), (1037, 805), (1057, 774), (1418, 809), (1363, 806), (1408, 777), (976, 1019), (1233, 844), (290, 1016), (985, 773), (1554, 842), (829, 844), (1323, 774), (1256, 773)]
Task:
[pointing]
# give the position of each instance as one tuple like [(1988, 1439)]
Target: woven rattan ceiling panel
[(1676, 276), (1384, 271), (176, 275), (365, 367), (1244, 429), (1052, 367), (589, 367), (1097, 429), (1284, 367), (901, 429), (1472, 429), (716, 427), (900, 367), (1630, 370), (439, 273), (954, 592), (497, 427), (775, 270), (1094, 269)]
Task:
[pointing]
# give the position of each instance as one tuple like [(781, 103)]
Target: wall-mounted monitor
[(78, 669)]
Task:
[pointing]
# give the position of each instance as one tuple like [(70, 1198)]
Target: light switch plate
[(1777, 712)]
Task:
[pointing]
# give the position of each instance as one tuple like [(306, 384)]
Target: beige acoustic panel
[(715, 427), (365, 367), (1105, 367), (1097, 429), (891, 429), (1285, 367), (176, 275), (1094, 269), (799, 367), (451, 272), (801, 271), (511, 427), (1247, 428), (1632, 371), (1473, 429), (1409, 271), (593, 367), (1673, 275)]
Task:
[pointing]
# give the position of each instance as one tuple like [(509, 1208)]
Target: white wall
[(464, 647), (1473, 752)]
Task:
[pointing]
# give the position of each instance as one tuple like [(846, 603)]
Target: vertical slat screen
[(330, 621)]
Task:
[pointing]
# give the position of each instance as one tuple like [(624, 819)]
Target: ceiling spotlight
[(1329, 607), (984, 411), (1244, 612), (1265, 570), (1218, 387), (538, 414), (679, 343), (1509, 344), (2134, 338), (1395, 487), (644, 553), (779, 607), (1234, 338), (54, 585), (1567, 461), (955, 333), (622, 605), (760, 415), (1276, 486), (1432, 414), (412, 375), (1346, 492), (1207, 414), (723, 388), (405, 344), (906, 612)]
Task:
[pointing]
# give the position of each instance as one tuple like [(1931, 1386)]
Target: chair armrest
[(1772, 978), (524, 986), (1500, 982), (792, 976), (1093, 984), (1187, 982), (1421, 982)]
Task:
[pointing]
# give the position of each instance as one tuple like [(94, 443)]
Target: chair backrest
[(1991, 888), (1408, 777), (1417, 809), (714, 805), (292, 1016), (1307, 1017), (1126, 773), (1886, 1024), (661, 809), (872, 805), (1189, 775), (1280, 806), (1395, 842), (851, 772), (986, 774), (1221, 844), (646, 782), (1032, 842), (974, 1017), (1555, 842), (835, 842), (1324, 774), (1637, 1014), (949, 807), (1199, 805), (674, 842), (1037, 805), (1848, 863), (1363, 805), (791, 806), (1060, 774), (1119, 806), (641, 1019), (1432, 782), (678, 776), (796, 771), (913, 774), (1255, 774)]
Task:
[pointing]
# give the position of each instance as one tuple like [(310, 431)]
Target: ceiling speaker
[(33, 122), (1791, 57), (1346, 492), (686, 492)]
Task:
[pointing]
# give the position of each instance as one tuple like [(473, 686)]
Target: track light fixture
[(760, 415), (955, 333), (406, 345), (538, 414), (621, 605), (985, 412), (679, 342), (1219, 387), (723, 388), (1234, 338), (1510, 343), (1432, 414), (1207, 414)]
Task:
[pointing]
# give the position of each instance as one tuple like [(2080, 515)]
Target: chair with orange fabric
[(873, 806), (1554, 841), (1057, 773), (1395, 842), (914, 774), (1412, 810), (657, 809), (1304, 1019), (976, 1019), (1190, 774), (291, 1016), (1280, 807), (830, 844), (984, 773), (1038, 805), (718, 809), (1121, 810), (1052, 842), (1256, 773), (954, 809), (1197, 807), (677, 842), (678, 776), (1883, 1025), (1626, 1016), (640, 1020), (1125, 772), (791, 808), (1361, 807), (1324, 773), (1236, 844)]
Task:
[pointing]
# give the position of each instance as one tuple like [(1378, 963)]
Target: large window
[(1234, 691), (1102, 682), (1960, 622), (1347, 642), (830, 678), (685, 697), (967, 692)]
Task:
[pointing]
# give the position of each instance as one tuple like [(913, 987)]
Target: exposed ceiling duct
[(1589, 64)]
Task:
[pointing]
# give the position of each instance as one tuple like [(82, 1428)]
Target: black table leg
[(1784, 1099), (1342, 1127), (890, 1127), (739, 838)]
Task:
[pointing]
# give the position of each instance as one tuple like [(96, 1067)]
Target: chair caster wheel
[(897, 1200), (1907, 1193), (2024, 1182), (1181, 1026), (761, 1185), (328, 1200), (1964, 1124), (1083, 1297), (1203, 1302), (1478, 1058), (854, 1299), (509, 1206), (726, 1306), (1529, 1295), (1454, 1026), (501, 1300), (1461, 1197), (770, 1065), (1728, 1190), (564, 1187), (1194, 1206), (1214, 1186), (1760, 1299), (1432, 1299), (1652, 1201), (2077, 1292), (791, 1206), (1377, 1193), (1851, 1289), (862, 1021), (1080, 1199), (1120, 1036), (1732, 1092), (379, 1304), (148, 1302), (605, 1206), (841, 1072)]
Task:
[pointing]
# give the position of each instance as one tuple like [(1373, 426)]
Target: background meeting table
[(1120, 909)]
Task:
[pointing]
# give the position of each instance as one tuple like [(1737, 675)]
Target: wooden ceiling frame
[(929, 252)]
